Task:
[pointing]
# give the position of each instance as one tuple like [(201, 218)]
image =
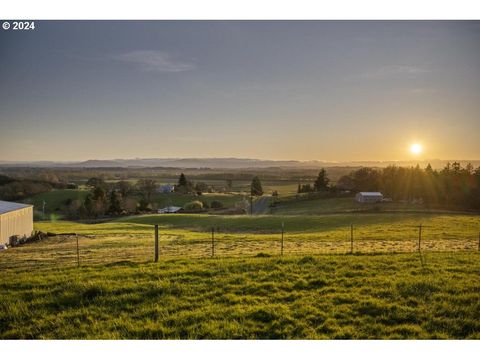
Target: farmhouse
[(366, 197), (166, 189), (15, 220)]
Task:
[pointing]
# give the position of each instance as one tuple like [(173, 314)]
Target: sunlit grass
[(316, 290), (322, 297)]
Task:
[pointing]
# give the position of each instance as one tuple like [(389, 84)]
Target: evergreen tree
[(184, 186), (321, 183), (182, 180), (256, 187)]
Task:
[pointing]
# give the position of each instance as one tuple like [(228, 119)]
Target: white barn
[(15, 220), (369, 197), (169, 210)]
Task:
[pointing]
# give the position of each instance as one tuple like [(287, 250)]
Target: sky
[(280, 90)]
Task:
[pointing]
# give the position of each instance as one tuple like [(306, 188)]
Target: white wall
[(17, 222)]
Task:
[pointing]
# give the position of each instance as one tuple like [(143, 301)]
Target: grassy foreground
[(329, 296)]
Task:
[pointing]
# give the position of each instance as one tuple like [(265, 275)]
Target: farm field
[(189, 236), (293, 206), (172, 199), (247, 290), (294, 297), (283, 187), (55, 199)]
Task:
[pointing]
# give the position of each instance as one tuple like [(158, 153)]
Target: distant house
[(169, 210), (15, 220), (369, 197), (166, 189)]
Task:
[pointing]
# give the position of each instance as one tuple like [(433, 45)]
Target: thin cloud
[(393, 70), (153, 61)]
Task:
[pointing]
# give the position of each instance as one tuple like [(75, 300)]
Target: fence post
[(156, 243), (78, 253), (283, 231), (419, 237), (479, 241), (213, 241), (351, 239)]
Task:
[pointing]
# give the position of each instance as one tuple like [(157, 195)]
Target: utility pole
[(43, 209), (251, 203)]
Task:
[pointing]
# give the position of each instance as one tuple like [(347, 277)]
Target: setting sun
[(416, 149)]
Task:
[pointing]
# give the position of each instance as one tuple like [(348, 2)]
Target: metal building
[(15, 220), (369, 197)]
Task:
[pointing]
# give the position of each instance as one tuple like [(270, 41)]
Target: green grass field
[(189, 236), (322, 297), (173, 199), (292, 206), (55, 199), (317, 290)]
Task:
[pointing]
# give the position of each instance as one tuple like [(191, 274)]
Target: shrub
[(216, 204), (193, 206)]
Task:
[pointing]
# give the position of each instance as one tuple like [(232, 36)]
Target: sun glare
[(416, 149)]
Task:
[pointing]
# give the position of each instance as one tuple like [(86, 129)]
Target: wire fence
[(160, 245)]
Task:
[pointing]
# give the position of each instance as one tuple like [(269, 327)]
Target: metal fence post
[(283, 231), (156, 243), (78, 252)]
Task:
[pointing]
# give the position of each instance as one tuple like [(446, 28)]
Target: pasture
[(189, 236), (321, 297), (55, 199), (290, 205), (316, 290)]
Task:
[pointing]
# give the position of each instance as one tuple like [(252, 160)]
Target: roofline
[(26, 206)]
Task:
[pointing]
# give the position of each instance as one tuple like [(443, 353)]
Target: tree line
[(124, 198), (453, 186), (12, 189)]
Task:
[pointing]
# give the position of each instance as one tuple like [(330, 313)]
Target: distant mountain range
[(226, 163)]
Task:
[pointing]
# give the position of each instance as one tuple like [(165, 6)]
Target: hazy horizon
[(333, 91), (232, 157), (233, 163)]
